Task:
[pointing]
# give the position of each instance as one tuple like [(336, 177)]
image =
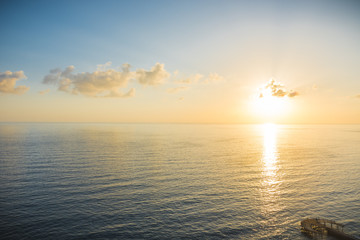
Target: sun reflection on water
[(269, 157), (271, 179)]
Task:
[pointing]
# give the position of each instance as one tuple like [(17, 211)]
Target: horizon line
[(194, 123)]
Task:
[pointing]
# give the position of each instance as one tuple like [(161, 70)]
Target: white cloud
[(109, 82), (104, 82), (101, 83), (277, 89), (157, 75), (8, 81)]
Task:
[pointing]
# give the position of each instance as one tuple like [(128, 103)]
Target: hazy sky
[(180, 61)]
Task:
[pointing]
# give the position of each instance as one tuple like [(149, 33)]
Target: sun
[(272, 103), (270, 108)]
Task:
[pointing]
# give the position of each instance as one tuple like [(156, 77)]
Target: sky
[(288, 62)]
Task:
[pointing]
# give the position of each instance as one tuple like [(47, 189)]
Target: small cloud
[(315, 87), (279, 93), (176, 89), (180, 99), (276, 89), (357, 96), (155, 76), (8, 81), (43, 92), (293, 93)]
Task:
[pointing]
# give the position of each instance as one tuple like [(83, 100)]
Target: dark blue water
[(169, 181)]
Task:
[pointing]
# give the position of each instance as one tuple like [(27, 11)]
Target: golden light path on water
[(269, 157), (270, 176)]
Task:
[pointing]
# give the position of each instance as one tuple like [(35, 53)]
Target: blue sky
[(66, 32), (301, 43)]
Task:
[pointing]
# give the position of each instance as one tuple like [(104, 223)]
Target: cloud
[(176, 89), (8, 81), (357, 96), (276, 89), (109, 82), (157, 75), (101, 83), (116, 94), (293, 93), (43, 92), (57, 73)]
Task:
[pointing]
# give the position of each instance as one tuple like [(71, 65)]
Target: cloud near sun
[(276, 89), (8, 81)]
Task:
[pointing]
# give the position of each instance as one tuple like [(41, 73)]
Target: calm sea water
[(172, 181)]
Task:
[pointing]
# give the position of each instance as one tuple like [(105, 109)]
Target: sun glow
[(272, 103), (270, 108)]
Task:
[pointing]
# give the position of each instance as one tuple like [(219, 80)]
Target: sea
[(176, 181)]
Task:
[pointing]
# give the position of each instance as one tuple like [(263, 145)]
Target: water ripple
[(123, 181)]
